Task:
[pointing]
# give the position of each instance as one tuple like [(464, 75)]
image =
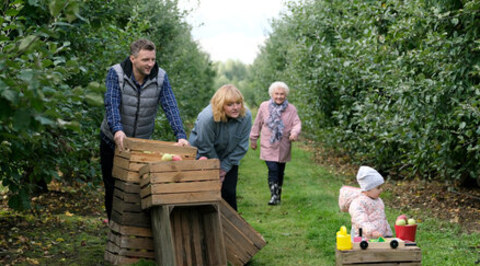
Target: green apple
[(400, 222), (167, 157), (411, 221)]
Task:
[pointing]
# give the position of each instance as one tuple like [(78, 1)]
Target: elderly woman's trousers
[(229, 187), (276, 172)]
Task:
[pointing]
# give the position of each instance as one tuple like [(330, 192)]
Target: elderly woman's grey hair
[(279, 85)]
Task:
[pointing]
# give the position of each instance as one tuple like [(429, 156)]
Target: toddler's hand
[(376, 234)]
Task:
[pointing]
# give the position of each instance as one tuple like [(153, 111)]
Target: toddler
[(367, 210)]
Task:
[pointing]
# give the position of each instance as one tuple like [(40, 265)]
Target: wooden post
[(162, 235)]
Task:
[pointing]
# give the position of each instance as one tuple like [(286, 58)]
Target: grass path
[(301, 231)]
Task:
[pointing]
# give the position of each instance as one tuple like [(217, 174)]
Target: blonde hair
[(278, 85), (224, 95)]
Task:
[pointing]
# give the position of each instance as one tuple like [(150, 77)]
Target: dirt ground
[(459, 205)]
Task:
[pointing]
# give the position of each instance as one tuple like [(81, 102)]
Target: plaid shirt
[(167, 100)]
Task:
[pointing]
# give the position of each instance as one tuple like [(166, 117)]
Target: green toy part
[(380, 239)]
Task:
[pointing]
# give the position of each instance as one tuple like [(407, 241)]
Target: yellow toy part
[(344, 241)]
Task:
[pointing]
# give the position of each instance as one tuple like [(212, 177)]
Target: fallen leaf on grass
[(33, 261), (69, 214)]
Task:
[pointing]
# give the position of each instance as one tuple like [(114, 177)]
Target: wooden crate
[(242, 242), (126, 207), (180, 182), (188, 235), (408, 255), (138, 152), (128, 244)]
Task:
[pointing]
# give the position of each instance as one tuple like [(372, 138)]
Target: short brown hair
[(226, 94), (141, 44)]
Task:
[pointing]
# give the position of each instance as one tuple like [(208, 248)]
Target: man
[(135, 88)]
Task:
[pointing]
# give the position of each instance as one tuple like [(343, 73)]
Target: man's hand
[(253, 144), (222, 175), (119, 138), (182, 142)]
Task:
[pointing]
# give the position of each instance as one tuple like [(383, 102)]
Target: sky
[(232, 29)]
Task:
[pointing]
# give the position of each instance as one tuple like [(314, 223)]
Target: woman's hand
[(253, 144), (222, 175), (182, 142), (293, 137)]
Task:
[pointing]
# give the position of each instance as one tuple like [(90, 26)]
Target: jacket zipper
[(136, 113)]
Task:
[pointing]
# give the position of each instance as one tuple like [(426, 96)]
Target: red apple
[(176, 158), (402, 217), (203, 158)]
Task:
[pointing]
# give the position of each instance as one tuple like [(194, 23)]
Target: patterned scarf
[(274, 121)]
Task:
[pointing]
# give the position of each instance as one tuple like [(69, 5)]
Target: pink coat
[(279, 151), (369, 214)]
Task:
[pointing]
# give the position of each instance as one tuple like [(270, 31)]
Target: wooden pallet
[(188, 235), (409, 255), (180, 182), (128, 244), (242, 242)]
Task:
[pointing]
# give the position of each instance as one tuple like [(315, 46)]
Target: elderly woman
[(221, 131), (278, 124)]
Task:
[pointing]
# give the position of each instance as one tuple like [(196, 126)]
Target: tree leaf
[(26, 42)]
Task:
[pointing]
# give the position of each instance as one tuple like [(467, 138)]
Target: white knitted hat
[(369, 178)]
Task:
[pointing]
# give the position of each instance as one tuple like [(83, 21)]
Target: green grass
[(301, 231)]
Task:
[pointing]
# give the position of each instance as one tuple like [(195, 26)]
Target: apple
[(167, 157), (400, 222), (203, 158), (176, 158), (411, 221), (403, 217)]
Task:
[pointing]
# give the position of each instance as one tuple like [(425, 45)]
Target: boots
[(275, 191)]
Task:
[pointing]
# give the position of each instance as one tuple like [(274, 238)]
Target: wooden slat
[(176, 166), (179, 188), (113, 248), (129, 230), (232, 216), (197, 238), (131, 242), (242, 242), (163, 236), (126, 164), (122, 206), (116, 259), (127, 197), (187, 198), (177, 177), (244, 246), (127, 187), (139, 156), (214, 238), (131, 218), (136, 144), (405, 255), (185, 219), (125, 175)]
